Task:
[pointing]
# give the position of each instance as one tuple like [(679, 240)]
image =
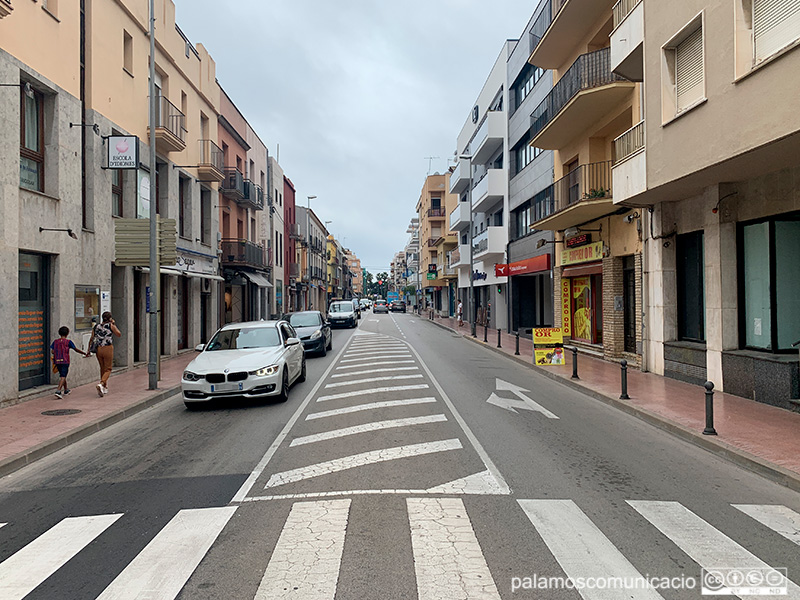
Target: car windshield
[(340, 307), (380, 302), (244, 337), (305, 320)]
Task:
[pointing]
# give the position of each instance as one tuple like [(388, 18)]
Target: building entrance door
[(34, 308), (629, 302)]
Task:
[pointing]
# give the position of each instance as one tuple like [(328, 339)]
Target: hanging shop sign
[(587, 253), (578, 240), (123, 151), (500, 270)]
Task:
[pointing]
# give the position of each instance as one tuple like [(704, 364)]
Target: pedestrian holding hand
[(61, 348), (459, 312), (102, 341)]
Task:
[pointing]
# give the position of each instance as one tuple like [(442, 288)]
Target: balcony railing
[(237, 252), (629, 142), (212, 161), (543, 21), (169, 117), (453, 257), (589, 71), (480, 242), (434, 240), (253, 195), (622, 9), (233, 184), (437, 212), (294, 270), (584, 183), (294, 231)]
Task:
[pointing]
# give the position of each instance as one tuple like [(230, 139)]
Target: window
[(184, 199), (51, 6), (525, 155), (689, 269), (683, 71), (525, 83), (127, 52), (770, 288), (116, 192), (205, 217), (521, 218), (31, 168)]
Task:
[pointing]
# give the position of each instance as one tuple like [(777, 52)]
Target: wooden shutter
[(776, 24), (689, 69)]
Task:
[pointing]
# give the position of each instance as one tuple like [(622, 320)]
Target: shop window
[(31, 167), (770, 275), (691, 286), (87, 307)]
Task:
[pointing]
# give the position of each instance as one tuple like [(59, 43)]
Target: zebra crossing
[(447, 559)]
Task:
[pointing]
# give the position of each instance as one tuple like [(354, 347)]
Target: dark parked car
[(380, 306), (397, 306), (313, 330)]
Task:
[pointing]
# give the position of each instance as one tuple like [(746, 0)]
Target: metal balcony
[(294, 231), (211, 166), (238, 253), (233, 184), (253, 195), (582, 195), (627, 40), (436, 213), (630, 164), (586, 93), (170, 127)]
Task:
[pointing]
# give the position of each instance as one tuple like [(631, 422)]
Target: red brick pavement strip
[(27, 435), (757, 436)]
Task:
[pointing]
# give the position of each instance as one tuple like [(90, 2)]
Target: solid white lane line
[(368, 371), (371, 406), (164, 566), (781, 519), (705, 544), (366, 427), (448, 560), (26, 569), (581, 548), (360, 460), (306, 560), (382, 356), (361, 365), (372, 380), (380, 390)]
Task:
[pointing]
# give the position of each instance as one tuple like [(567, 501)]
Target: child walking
[(61, 348)]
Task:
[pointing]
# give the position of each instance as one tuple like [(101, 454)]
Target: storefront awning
[(258, 279), (581, 270), (204, 275)]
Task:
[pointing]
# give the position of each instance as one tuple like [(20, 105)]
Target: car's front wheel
[(283, 396)]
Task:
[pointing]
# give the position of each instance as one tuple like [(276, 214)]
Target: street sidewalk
[(27, 433), (759, 437)]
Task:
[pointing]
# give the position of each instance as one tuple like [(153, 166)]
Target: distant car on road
[(313, 330), (380, 306), (357, 307), (397, 306), (342, 313), (364, 304), (257, 359)]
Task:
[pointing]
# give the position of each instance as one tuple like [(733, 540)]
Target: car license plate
[(227, 387)]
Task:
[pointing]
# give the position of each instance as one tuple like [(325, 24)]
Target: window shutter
[(776, 24), (689, 69)]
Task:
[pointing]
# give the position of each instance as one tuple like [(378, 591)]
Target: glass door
[(34, 363)]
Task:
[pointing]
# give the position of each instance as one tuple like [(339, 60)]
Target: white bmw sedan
[(251, 360)]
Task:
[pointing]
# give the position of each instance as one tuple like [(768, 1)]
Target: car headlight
[(189, 376), (264, 371), (317, 334)]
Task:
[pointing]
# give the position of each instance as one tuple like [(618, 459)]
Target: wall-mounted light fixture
[(24, 85), (716, 207), (69, 231), (541, 243), (631, 217), (94, 126)]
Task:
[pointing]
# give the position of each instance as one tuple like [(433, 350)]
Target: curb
[(18, 461), (735, 455)]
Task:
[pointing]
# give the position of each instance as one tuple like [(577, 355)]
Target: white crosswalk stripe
[(367, 427), (361, 365), (160, 570), (370, 371), (370, 392), (25, 570), (306, 560), (371, 406), (780, 519), (383, 355), (706, 545), (372, 380), (382, 349)]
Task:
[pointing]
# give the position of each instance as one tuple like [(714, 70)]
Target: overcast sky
[(352, 95)]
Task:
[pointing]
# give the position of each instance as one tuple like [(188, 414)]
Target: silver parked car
[(257, 359)]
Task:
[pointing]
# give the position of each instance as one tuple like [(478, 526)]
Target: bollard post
[(623, 366), (516, 350), (485, 332), (575, 362), (498, 339), (709, 430)]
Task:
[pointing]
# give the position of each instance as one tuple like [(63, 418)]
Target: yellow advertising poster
[(547, 336), (566, 308), (572, 256), (549, 356), (582, 303)]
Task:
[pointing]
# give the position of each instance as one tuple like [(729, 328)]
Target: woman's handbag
[(93, 342)]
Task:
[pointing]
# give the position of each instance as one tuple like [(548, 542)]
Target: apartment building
[(712, 163), (312, 251), (409, 256), (598, 261), (87, 78), (531, 251), (291, 234), (433, 208), (273, 232), (334, 263), (354, 266), (480, 179)]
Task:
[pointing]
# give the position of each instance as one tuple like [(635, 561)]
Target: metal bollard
[(709, 430), (575, 363), (485, 332), (623, 366), (498, 339), (516, 350)]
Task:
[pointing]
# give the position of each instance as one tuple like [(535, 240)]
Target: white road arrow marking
[(524, 402)]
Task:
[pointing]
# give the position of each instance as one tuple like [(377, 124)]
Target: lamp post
[(471, 304), (308, 246), (153, 358)]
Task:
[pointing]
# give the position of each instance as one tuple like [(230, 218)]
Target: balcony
[(583, 195), (459, 218), (489, 137), (294, 270), (630, 166), (489, 190), (562, 26), (459, 178), (170, 127), (434, 241), (242, 253), (253, 196), (460, 256), (5, 8), (490, 242), (583, 96), (627, 40), (233, 184), (211, 166), (294, 231), (436, 213)]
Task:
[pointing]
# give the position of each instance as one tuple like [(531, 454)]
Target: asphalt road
[(388, 474)]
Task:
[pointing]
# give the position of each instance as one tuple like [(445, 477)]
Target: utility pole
[(155, 274)]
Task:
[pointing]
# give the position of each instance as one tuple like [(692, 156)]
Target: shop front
[(582, 293)]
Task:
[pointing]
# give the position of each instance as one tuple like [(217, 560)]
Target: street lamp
[(308, 246), (471, 251)]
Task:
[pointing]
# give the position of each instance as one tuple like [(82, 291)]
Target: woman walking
[(103, 343)]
